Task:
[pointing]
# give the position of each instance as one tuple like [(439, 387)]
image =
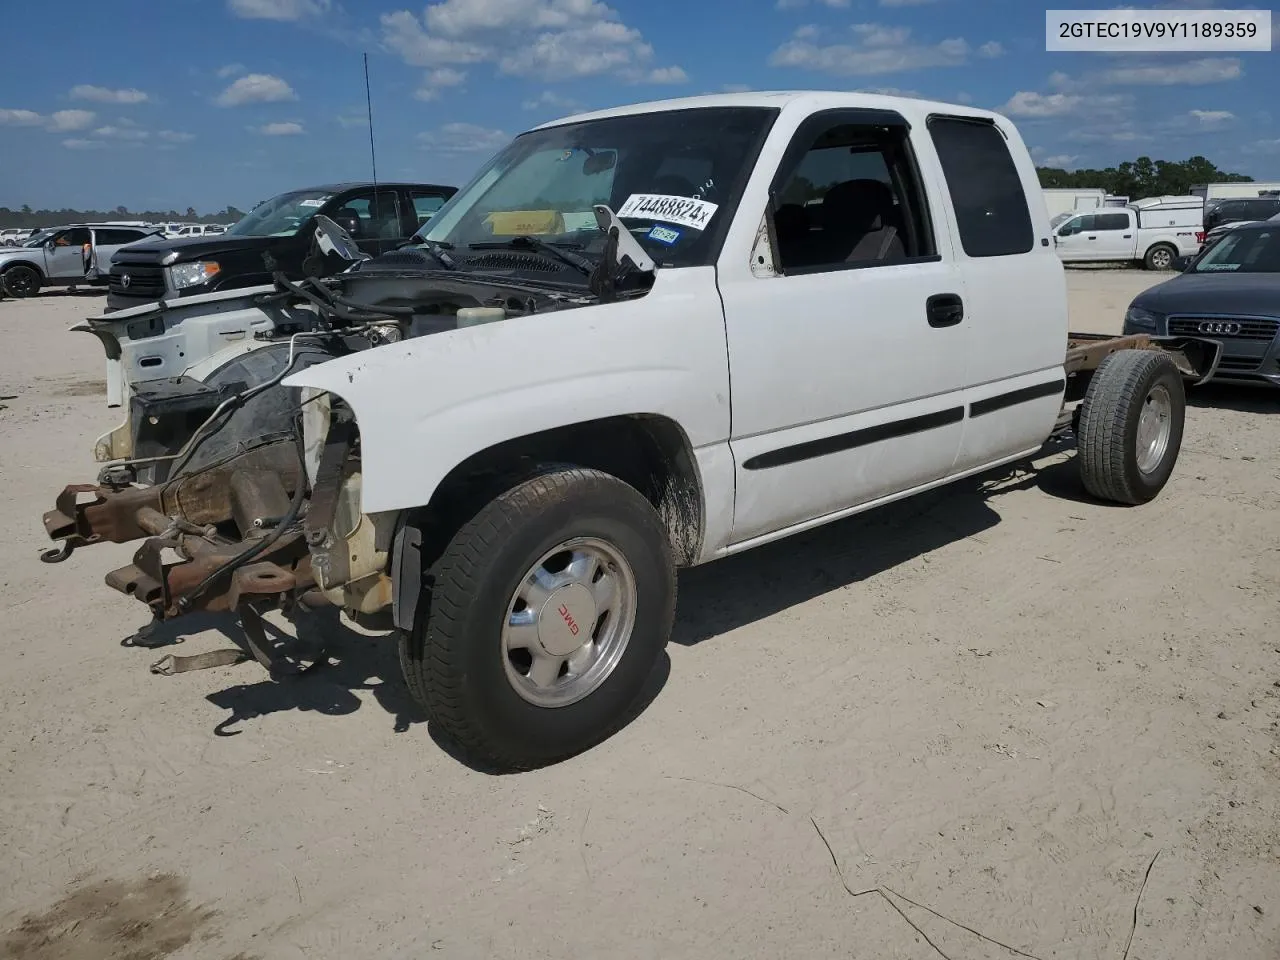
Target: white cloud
[(991, 49), (288, 128), (1191, 73), (1212, 118), (279, 9), (175, 136), (256, 88), (796, 4), (1028, 103), (876, 49), (549, 39), (84, 91), (78, 144), (230, 70), (1061, 161), (437, 80), (20, 118), (556, 101), (905, 3), (121, 132), (463, 138), (63, 121)]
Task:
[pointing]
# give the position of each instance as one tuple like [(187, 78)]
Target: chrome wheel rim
[(1161, 259), (568, 623), (1155, 424)]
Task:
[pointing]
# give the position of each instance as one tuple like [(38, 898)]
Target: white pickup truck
[(640, 339), (1154, 232)]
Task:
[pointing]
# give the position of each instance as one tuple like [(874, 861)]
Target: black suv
[(1240, 210), (379, 219)]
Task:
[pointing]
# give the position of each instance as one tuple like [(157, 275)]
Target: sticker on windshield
[(313, 203), (685, 211), (667, 236)]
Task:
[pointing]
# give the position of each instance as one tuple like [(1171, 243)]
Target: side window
[(849, 197), (370, 216), (1111, 221), (116, 237), (986, 190), (75, 237), (425, 206)]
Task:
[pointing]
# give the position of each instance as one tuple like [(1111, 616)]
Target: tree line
[(27, 218), (1143, 177)]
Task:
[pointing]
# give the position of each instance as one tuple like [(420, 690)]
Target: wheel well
[(649, 452), (1168, 245), (21, 263)]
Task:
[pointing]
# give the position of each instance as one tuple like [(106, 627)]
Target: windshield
[(281, 216), (36, 239), (673, 178), (1243, 251)]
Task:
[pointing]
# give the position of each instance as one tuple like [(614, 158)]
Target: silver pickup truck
[(65, 256)]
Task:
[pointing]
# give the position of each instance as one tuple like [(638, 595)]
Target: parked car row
[(64, 256)]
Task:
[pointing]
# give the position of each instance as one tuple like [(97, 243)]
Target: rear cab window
[(992, 215)]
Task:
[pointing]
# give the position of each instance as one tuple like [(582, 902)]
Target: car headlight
[(1135, 318), (185, 275)]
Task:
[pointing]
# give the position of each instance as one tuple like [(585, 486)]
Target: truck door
[(1116, 235), (1017, 291), (848, 356), (1076, 241), (64, 254)]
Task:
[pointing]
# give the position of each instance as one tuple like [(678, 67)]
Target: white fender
[(425, 405)]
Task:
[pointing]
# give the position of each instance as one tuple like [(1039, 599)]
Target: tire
[(1131, 424), (1160, 257), (21, 281), (458, 660)]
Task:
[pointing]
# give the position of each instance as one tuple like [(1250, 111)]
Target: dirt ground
[(989, 710)]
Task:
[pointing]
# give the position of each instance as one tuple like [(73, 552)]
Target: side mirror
[(1180, 264), (332, 239)]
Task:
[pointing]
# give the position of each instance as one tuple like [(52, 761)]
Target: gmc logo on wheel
[(1225, 327), (569, 622)]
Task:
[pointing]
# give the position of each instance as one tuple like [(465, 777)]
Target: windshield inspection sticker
[(312, 203), (667, 236), (682, 210)]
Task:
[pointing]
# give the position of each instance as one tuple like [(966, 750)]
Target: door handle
[(944, 309), (1128, 236), (1093, 238)]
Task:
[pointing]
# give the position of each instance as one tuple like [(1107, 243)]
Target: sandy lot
[(998, 703)]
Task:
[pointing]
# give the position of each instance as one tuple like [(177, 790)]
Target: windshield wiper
[(561, 252), (437, 249)]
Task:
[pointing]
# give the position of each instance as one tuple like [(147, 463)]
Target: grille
[(513, 261), (1238, 364), (145, 281), (1250, 329)]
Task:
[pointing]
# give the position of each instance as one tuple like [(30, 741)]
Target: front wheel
[(543, 619), (1130, 426), (21, 281)]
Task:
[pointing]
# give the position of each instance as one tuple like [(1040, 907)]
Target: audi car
[(1229, 292)]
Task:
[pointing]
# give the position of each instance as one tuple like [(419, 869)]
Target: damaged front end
[(247, 493)]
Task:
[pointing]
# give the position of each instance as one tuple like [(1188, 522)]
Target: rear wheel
[(1160, 257), (545, 616), (21, 281), (1130, 426)]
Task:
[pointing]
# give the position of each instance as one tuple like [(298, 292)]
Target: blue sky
[(209, 102)]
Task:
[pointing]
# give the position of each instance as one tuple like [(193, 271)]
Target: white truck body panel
[(811, 358)]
